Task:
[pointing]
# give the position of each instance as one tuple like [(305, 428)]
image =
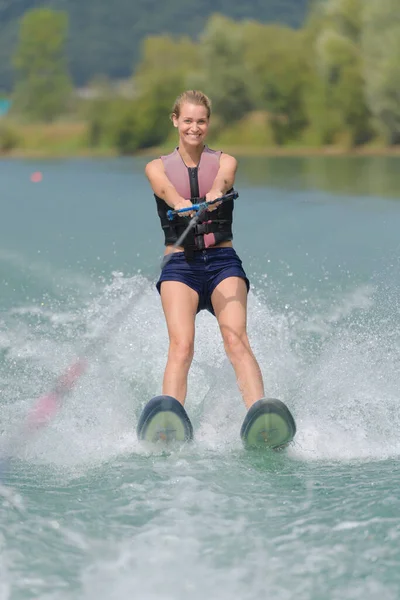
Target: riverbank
[(291, 151), (238, 151), (70, 140)]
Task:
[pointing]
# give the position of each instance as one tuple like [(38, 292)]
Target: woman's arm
[(162, 187), (224, 179)]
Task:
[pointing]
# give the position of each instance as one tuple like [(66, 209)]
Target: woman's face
[(192, 123)]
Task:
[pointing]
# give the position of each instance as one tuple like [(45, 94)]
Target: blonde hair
[(191, 97)]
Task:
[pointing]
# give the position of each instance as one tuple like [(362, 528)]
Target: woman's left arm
[(225, 178)]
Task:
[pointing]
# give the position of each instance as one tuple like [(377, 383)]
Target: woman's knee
[(236, 344), (181, 349)]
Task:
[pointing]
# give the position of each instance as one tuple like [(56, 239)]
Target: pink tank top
[(179, 174)]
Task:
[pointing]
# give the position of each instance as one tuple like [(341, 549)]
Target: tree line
[(334, 81), (105, 37)]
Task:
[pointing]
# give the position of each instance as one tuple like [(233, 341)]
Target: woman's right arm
[(162, 187)]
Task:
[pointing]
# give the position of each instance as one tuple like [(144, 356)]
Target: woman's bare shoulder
[(154, 166), (228, 160)]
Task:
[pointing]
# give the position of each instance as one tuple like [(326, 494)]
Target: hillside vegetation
[(104, 37)]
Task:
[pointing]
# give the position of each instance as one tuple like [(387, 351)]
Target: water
[(88, 512)]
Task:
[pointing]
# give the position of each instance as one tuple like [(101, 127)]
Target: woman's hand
[(183, 203), (214, 195)]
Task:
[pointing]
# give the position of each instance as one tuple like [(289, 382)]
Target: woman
[(206, 272)]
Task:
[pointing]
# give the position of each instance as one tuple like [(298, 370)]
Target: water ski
[(268, 423), (164, 419)]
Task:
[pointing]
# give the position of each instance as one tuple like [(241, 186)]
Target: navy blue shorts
[(207, 269)]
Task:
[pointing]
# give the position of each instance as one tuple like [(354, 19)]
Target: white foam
[(339, 377)]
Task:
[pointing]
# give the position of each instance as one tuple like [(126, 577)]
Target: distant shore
[(289, 151), (240, 151), (67, 139), (40, 153)]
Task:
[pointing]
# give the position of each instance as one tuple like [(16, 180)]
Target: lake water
[(86, 511)]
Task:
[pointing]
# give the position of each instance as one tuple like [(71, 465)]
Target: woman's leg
[(229, 300), (179, 303)]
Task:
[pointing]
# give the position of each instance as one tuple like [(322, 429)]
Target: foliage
[(224, 68), (380, 42), (331, 82), (9, 138), (277, 68), (142, 125), (254, 129), (43, 86), (57, 138), (106, 37), (338, 62), (143, 122)]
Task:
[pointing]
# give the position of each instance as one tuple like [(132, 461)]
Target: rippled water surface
[(85, 510)]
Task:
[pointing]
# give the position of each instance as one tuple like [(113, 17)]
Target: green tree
[(381, 52), (163, 58), (339, 63), (143, 124), (43, 84), (105, 37), (323, 117), (278, 71), (225, 76), (160, 76)]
